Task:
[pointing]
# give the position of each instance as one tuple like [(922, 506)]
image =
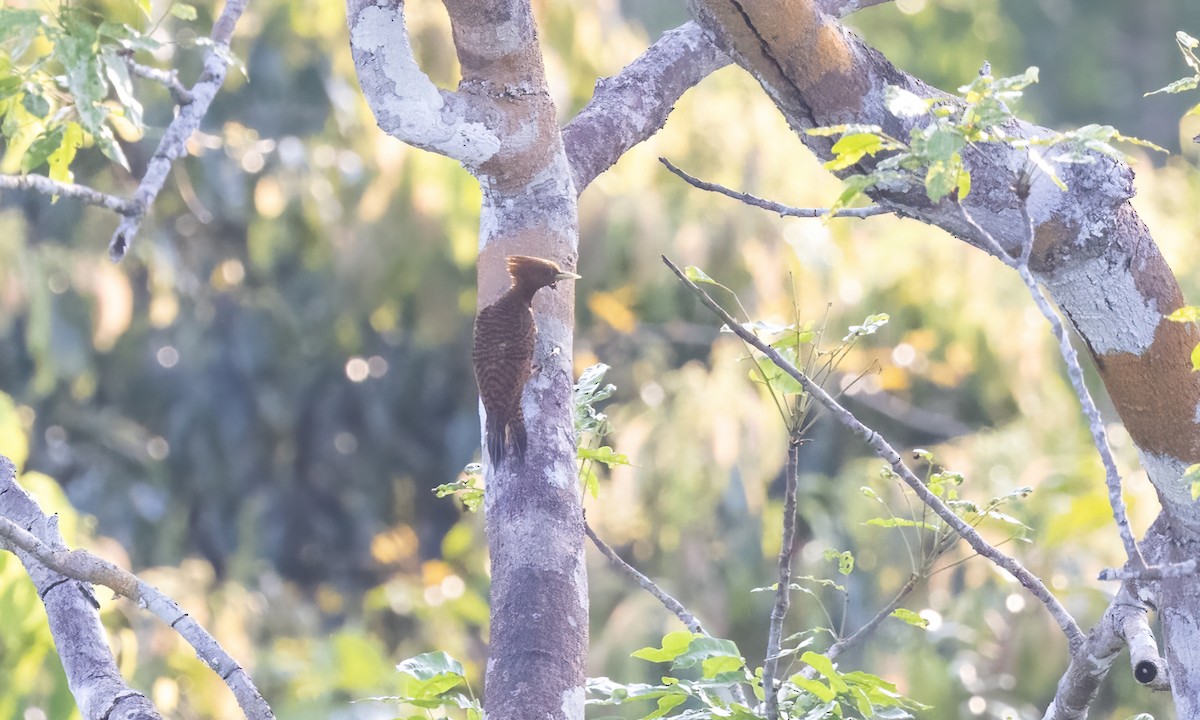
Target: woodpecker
[(503, 352)]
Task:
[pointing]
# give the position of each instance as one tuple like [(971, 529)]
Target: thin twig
[(647, 584), (1112, 477), (167, 78), (83, 566), (46, 186), (780, 209), (861, 634), (885, 451), (670, 603), (783, 591)]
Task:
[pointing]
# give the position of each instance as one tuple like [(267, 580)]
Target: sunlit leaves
[(431, 681), (72, 93), (591, 426), (1187, 46), (1191, 476), (933, 153), (910, 617), (836, 694), (868, 327), (468, 487), (843, 558)]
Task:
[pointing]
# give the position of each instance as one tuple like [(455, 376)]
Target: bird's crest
[(535, 272)]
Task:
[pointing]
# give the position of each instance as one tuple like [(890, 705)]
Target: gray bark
[(92, 674)]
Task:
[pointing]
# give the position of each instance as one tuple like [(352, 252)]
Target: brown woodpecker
[(503, 351)]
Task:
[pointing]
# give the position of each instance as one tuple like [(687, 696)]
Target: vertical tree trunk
[(501, 124)]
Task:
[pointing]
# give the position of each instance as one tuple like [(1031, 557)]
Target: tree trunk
[(501, 124)]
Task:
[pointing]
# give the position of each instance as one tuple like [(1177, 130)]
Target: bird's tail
[(516, 431), (495, 438)]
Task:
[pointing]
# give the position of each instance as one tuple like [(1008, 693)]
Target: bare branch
[(646, 583), (72, 611), (1124, 622), (1112, 477), (85, 567), (46, 186), (861, 634), (1183, 568), (669, 602), (784, 589), (167, 78), (782, 210), (1148, 666), (406, 103), (885, 451), (173, 144), (630, 107)]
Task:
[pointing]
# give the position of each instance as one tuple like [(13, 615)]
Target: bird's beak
[(564, 275)]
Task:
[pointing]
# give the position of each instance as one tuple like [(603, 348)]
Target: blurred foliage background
[(252, 409)]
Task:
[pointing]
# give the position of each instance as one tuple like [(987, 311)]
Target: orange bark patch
[(1156, 394), (789, 45)]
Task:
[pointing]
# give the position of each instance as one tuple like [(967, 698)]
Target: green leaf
[(10, 86), (714, 667), (605, 455), (144, 6), (851, 148), (844, 559), (183, 11), (36, 105), (1196, 358), (1181, 85), (824, 665), (869, 326), (666, 704), (814, 687), (591, 481), (674, 644), (118, 75), (703, 648), (60, 160), (853, 186), (1192, 475), (943, 177), (426, 677), (1187, 313), (910, 617), (695, 274), (41, 149)]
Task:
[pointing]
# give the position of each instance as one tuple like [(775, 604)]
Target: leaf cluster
[(945, 128), (432, 681), (65, 83), (829, 694), (591, 426), (1187, 46)]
